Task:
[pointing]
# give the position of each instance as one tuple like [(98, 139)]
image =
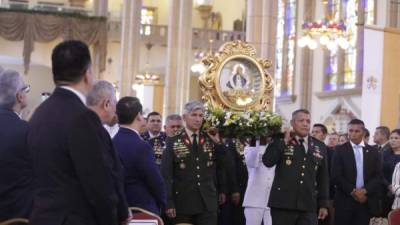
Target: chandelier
[(331, 34), (147, 78)]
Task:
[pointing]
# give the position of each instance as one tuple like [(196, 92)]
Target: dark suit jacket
[(192, 177), (74, 182), (301, 179), (344, 175), (144, 186), (16, 173)]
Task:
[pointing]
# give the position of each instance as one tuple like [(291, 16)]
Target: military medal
[(209, 163), (288, 162), (182, 165)]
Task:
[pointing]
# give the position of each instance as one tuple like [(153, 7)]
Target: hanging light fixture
[(147, 77), (329, 34)]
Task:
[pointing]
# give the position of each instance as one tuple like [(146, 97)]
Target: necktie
[(194, 143), (301, 140), (379, 147), (359, 166)]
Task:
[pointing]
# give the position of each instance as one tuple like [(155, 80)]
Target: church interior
[(337, 58)]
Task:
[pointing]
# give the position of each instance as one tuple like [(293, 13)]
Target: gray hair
[(173, 117), (193, 106), (10, 84), (100, 90)]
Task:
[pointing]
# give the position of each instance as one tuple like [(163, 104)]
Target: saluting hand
[(287, 137)]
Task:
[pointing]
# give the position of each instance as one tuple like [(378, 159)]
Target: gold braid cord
[(236, 80)]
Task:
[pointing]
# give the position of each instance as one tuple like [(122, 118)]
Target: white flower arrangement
[(248, 124)]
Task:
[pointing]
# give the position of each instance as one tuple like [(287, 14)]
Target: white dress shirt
[(396, 186)]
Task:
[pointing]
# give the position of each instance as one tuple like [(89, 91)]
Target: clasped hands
[(359, 195)]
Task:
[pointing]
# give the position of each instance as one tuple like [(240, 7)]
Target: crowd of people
[(85, 157)]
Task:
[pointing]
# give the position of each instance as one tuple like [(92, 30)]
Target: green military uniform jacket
[(193, 178), (301, 179)]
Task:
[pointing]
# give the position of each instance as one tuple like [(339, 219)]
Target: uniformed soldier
[(154, 136), (301, 183), (192, 167)]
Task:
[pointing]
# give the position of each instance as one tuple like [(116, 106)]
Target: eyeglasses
[(26, 88)]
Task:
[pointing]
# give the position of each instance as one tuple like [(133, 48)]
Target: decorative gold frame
[(210, 80)]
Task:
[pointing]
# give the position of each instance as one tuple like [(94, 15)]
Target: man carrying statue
[(300, 187)]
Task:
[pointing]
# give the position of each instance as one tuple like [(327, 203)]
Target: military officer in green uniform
[(192, 167), (301, 184)]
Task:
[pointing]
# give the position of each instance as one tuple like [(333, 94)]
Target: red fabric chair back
[(142, 214), (394, 217)]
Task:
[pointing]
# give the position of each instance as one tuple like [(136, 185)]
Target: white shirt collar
[(362, 144), (18, 114), (152, 135), (137, 132), (81, 96)]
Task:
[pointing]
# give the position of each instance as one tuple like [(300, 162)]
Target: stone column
[(171, 74), (306, 55), (130, 44), (268, 31), (254, 23), (100, 7), (177, 81), (185, 52)]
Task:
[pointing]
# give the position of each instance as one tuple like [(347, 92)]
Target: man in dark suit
[(102, 102), (189, 167), (144, 186), (16, 173), (301, 182), (154, 136), (381, 138), (357, 175), (74, 182)]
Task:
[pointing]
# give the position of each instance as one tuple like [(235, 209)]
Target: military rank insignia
[(158, 150), (209, 150), (181, 151), (288, 154)]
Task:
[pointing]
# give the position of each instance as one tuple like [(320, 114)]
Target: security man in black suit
[(74, 182), (357, 176), (301, 182), (192, 167), (16, 172)]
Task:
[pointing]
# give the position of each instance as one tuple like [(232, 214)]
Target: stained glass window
[(285, 47), (331, 65), (345, 76)]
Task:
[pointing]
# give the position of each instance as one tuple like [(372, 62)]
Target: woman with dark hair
[(390, 159), (395, 151)]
